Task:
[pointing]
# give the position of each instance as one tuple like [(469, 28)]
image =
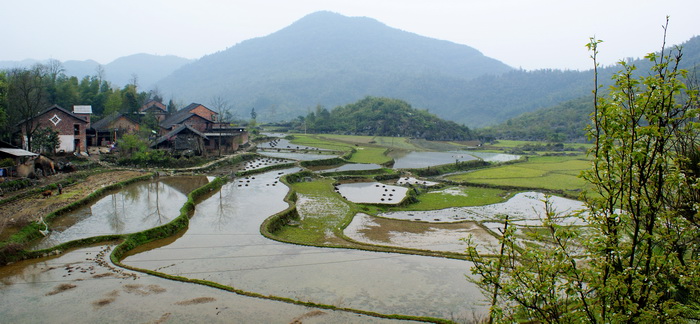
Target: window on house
[(76, 129)]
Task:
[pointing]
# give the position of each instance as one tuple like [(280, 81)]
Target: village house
[(225, 138), (202, 111), (71, 126), (112, 127), (157, 108), (182, 140)]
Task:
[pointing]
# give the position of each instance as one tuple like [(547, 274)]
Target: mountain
[(148, 68), (567, 120), (383, 117), (329, 59)]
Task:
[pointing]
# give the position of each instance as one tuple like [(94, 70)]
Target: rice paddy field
[(539, 172)]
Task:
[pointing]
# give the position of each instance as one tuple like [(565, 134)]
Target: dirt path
[(17, 214)]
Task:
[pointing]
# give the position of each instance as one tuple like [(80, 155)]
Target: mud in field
[(19, 213), (417, 235), (56, 289)]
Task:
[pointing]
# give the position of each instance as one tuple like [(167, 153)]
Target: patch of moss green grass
[(365, 153), (539, 172), (445, 198), (328, 213), (469, 196), (503, 144)]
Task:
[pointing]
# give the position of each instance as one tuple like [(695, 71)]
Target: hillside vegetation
[(382, 117)]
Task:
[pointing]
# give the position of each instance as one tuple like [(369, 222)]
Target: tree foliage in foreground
[(637, 260), (382, 117)]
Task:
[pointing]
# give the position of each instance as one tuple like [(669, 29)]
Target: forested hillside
[(382, 117), (329, 59), (565, 122)]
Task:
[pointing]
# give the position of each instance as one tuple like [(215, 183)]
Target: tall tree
[(26, 97), (636, 260)]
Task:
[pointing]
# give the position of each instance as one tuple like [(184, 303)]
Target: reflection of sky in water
[(413, 160), (353, 167), (297, 156), (425, 159), (525, 208), (372, 193), (282, 143), (491, 157), (135, 208), (223, 244)]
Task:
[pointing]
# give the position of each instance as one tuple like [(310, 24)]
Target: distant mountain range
[(146, 67), (331, 60)]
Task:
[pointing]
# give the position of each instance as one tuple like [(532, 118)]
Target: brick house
[(158, 109), (108, 129), (71, 127), (202, 111), (186, 117)]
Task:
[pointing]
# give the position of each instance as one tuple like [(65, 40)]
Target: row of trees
[(25, 92), (637, 260)]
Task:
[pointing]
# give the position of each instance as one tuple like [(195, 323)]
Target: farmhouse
[(112, 127), (71, 126), (157, 108), (182, 140), (184, 117)]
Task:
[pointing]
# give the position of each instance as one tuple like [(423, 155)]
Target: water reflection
[(136, 207), (223, 244), (415, 160)]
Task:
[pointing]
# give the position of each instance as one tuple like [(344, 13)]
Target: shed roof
[(17, 152)]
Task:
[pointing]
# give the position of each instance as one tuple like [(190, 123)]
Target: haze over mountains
[(330, 60), (148, 68)]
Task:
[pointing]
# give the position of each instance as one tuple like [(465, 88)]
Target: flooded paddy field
[(223, 244), (350, 167), (525, 208), (82, 286), (415, 160), (372, 193), (262, 162), (298, 156), (417, 235), (136, 207), (283, 144)]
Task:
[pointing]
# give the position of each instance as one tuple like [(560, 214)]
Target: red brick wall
[(65, 126), (197, 123), (203, 112)]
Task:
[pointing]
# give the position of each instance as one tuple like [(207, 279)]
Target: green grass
[(514, 144), (365, 153), (539, 172), (328, 214), (470, 196)]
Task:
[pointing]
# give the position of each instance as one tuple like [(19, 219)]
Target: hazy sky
[(521, 33)]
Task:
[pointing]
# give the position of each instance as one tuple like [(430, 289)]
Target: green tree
[(172, 107), (636, 261), (46, 140), (26, 95), (3, 106)]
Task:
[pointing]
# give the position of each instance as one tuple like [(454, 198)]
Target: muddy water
[(81, 287), (136, 207), (372, 192), (426, 159), (223, 244), (350, 167), (297, 156)]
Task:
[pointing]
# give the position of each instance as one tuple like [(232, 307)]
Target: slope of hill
[(565, 122), (329, 59), (148, 68), (383, 117)]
